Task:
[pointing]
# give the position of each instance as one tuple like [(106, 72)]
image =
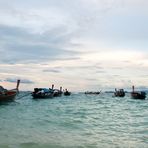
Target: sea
[(76, 121)]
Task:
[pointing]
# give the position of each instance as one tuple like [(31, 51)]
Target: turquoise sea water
[(76, 121)]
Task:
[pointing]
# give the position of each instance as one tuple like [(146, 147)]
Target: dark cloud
[(143, 87), (87, 67), (59, 69), (26, 81), (19, 45), (52, 70), (14, 80)]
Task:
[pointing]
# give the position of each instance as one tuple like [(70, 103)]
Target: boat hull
[(92, 93), (42, 96), (67, 93), (9, 96), (138, 95), (119, 94)]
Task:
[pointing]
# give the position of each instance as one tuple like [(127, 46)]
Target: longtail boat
[(45, 93), (57, 92), (42, 93), (92, 93), (8, 95), (119, 93), (67, 93), (138, 94)]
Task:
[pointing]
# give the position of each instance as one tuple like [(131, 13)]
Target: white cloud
[(84, 38)]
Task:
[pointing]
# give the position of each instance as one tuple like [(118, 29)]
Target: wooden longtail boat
[(92, 93), (8, 95), (45, 93), (138, 95), (67, 93), (119, 93), (42, 93)]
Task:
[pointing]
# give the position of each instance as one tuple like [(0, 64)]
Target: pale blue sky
[(80, 45)]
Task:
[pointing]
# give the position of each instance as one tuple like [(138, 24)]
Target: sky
[(80, 45)]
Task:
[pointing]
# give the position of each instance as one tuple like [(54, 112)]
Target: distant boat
[(92, 93), (57, 92), (9, 95), (42, 93), (119, 93), (67, 93), (138, 94)]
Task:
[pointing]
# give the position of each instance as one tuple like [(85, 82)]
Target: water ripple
[(82, 121)]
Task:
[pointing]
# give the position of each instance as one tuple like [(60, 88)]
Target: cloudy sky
[(78, 44)]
